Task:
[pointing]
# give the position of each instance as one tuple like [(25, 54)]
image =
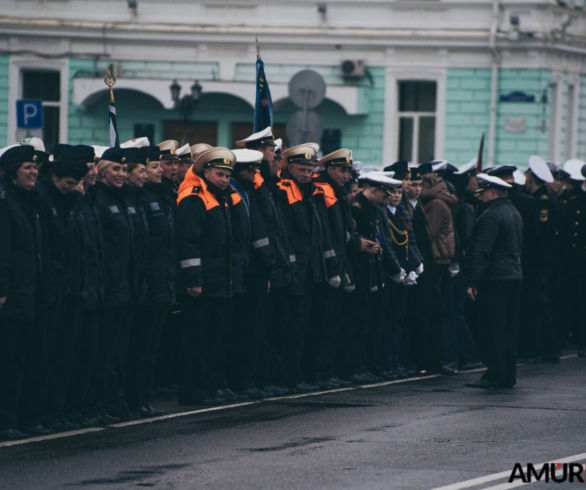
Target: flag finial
[(110, 80), (257, 47)]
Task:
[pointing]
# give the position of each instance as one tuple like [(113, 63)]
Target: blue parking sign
[(29, 114)]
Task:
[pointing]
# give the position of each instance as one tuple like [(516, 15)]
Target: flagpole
[(257, 48), (110, 81)]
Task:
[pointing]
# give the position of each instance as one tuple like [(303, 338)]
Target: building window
[(193, 132), (45, 85), (417, 115), (331, 141)]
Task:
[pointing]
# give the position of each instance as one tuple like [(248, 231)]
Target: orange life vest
[(328, 193), (194, 185), (294, 194)]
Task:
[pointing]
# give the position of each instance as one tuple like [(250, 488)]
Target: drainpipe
[(494, 79)]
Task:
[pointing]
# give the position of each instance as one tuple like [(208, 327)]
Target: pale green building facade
[(428, 85)]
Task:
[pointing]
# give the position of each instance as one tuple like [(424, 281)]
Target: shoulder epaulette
[(356, 204)]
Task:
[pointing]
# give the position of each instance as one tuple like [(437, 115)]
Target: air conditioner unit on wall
[(352, 69)]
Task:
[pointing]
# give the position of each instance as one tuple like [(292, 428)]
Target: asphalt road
[(424, 433)]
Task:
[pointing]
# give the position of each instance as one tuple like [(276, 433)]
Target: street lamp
[(185, 104)]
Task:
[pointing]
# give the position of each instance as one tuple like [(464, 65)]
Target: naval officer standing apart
[(495, 280)]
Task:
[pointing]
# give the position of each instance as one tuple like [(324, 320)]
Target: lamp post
[(186, 104)]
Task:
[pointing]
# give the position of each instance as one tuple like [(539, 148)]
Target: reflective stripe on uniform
[(263, 242), (190, 263), (328, 254)]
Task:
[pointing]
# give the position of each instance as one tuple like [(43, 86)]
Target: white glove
[(411, 279), (349, 287), (335, 281), (399, 277), (419, 269), (454, 269)]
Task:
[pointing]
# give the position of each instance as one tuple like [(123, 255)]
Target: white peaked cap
[(279, 144), (168, 145), (244, 155), (574, 168), (539, 167), (379, 177), (183, 150), (36, 143), (438, 165), (136, 143), (492, 180), (315, 146), (519, 177), (389, 173), (99, 150), (265, 133), (368, 169), (357, 165), (471, 165)]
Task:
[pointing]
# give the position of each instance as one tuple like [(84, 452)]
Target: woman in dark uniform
[(20, 267), (116, 311)]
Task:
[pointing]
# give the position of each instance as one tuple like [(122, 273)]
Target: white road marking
[(61, 435), (497, 476), (187, 413)]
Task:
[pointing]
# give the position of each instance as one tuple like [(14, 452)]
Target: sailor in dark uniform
[(314, 264), (205, 280), (372, 273), (544, 338)]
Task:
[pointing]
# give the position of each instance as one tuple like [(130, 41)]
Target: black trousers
[(63, 330), (167, 363), (83, 394), (294, 338), (498, 310), (143, 351), (538, 336), (14, 338), (365, 314), (344, 351), (320, 335), (393, 324), (272, 361), (247, 334), (114, 334), (34, 383), (419, 318), (202, 355), (464, 348)]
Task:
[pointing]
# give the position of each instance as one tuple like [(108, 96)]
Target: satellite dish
[(304, 126), (307, 89)]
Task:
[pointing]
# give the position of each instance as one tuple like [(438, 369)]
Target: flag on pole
[(114, 139), (480, 155), (109, 80), (263, 108)]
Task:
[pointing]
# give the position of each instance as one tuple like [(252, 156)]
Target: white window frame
[(20, 64), (392, 114)]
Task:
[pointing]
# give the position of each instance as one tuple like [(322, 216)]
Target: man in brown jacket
[(437, 202)]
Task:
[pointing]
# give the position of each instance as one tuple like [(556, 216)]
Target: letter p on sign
[(29, 114)]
